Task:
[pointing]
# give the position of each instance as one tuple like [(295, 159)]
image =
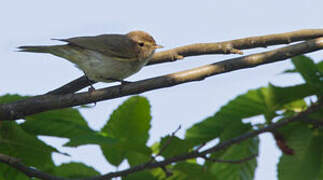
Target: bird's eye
[(141, 44)]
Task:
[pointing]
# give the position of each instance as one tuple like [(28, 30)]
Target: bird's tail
[(37, 49)]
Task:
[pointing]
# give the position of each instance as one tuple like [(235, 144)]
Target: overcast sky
[(172, 23)]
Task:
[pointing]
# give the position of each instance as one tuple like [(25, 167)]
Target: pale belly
[(100, 68)]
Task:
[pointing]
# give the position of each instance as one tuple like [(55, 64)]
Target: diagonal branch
[(150, 165), (239, 161), (233, 46), (225, 47), (28, 171), (22, 108)]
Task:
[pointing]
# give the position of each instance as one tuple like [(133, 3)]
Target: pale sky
[(172, 23)]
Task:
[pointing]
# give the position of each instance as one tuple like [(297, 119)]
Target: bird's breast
[(99, 67)]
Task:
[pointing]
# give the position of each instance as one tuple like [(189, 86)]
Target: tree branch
[(239, 161), (225, 47), (234, 46), (22, 108), (28, 171)]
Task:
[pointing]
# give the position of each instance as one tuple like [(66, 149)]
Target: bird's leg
[(91, 89)]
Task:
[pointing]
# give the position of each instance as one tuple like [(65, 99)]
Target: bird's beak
[(158, 46)]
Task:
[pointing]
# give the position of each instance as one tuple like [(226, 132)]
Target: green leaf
[(281, 96), (66, 123), (319, 66), (240, 171), (306, 163), (91, 139), (136, 158), (129, 124), (7, 98), (75, 170), (142, 175), (9, 173), (192, 171), (309, 71), (113, 154), (247, 105), (131, 121), (15, 142), (171, 146)]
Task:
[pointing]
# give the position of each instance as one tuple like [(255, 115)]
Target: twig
[(37, 104), (169, 140), (30, 172), (150, 165), (231, 161), (163, 148), (209, 48)]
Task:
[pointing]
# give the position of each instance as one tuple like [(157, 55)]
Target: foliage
[(124, 137)]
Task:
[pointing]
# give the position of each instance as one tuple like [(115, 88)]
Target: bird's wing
[(118, 46)]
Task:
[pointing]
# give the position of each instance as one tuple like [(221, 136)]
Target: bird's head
[(145, 43)]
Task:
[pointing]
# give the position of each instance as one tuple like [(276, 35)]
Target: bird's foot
[(125, 82), (91, 90)]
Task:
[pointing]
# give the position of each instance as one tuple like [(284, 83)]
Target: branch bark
[(22, 108), (225, 47), (28, 171), (150, 165)]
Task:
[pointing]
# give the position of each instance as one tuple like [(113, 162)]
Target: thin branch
[(231, 161), (36, 104), (28, 171), (72, 86), (169, 140), (150, 165), (163, 148), (233, 46), (225, 47)]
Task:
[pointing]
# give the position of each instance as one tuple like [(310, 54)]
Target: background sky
[(172, 23)]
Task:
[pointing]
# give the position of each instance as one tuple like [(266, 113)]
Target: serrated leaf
[(319, 66), (280, 96), (19, 144), (136, 158), (93, 138), (192, 171), (249, 104), (7, 98), (9, 173), (131, 121), (171, 146), (66, 123), (240, 171), (142, 175), (309, 71), (130, 124), (75, 170), (306, 163), (113, 154)]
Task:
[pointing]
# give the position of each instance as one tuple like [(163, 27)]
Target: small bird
[(104, 58)]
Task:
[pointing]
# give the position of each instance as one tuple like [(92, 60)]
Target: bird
[(106, 57)]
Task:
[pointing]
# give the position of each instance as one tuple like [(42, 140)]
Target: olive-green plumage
[(104, 57)]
